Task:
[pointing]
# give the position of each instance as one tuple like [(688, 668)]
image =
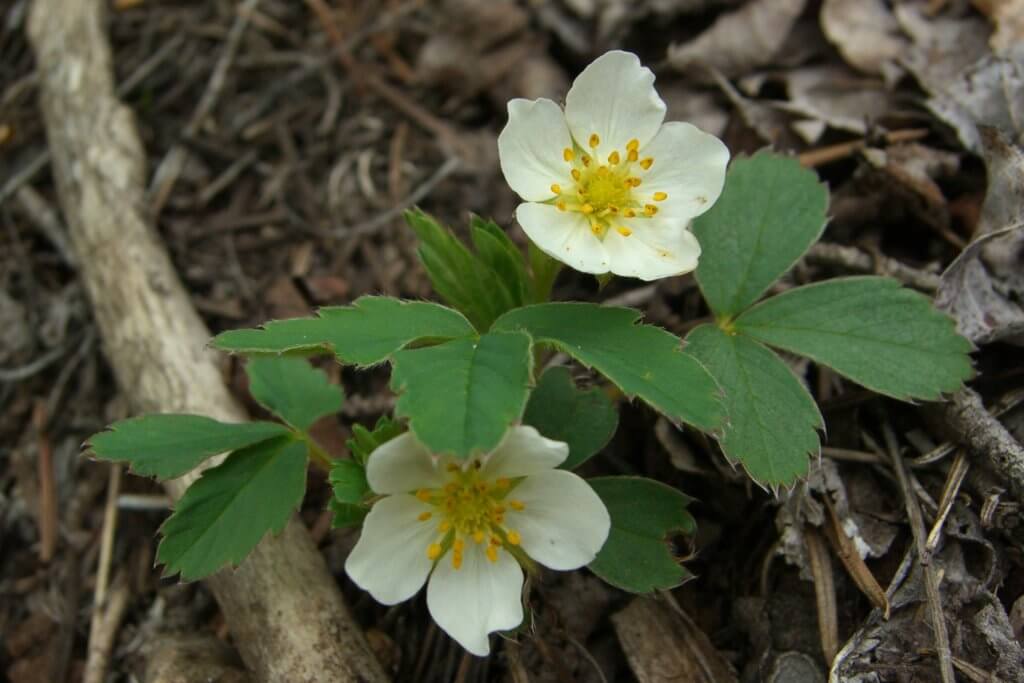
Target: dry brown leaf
[(739, 41), (865, 32), (990, 92), (942, 46)]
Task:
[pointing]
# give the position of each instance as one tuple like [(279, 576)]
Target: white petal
[(563, 235), (402, 465), (530, 148), (390, 560), (659, 247), (564, 523), (689, 166), (615, 98), (523, 452), (478, 598)]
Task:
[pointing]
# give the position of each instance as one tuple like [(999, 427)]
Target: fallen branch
[(282, 605)]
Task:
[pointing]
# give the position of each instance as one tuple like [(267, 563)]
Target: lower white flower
[(607, 186), (463, 525)]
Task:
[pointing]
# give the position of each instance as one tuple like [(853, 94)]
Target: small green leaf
[(504, 258), (348, 479), (168, 446), (771, 211), (347, 514), (773, 421), (226, 512), (643, 360), (637, 557), (365, 333), (365, 441), (545, 270), (869, 329), (586, 420), (292, 389), (461, 396)]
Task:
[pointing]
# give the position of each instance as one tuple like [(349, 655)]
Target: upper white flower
[(463, 524), (609, 187)]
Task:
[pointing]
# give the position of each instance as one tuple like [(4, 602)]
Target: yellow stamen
[(424, 516), (502, 482), (459, 545), (456, 561), (444, 527), (585, 159), (434, 551), (492, 553), (568, 154), (514, 538), (560, 205), (594, 140), (612, 208), (576, 174), (633, 182), (595, 228), (424, 495), (650, 209), (633, 145), (517, 505), (556, 188), (623, 230), (478, 536), (629, 213), (613, 158), (633, 155), (660, 196), (587, 208), (646, 163)]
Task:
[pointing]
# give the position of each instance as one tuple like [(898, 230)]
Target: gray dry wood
[(282, 605)]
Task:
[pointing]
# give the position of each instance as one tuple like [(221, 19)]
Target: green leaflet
[(365, 441), (870, 329), (461, 396), (773, 421), (348, 480), (167, 446), (586, 420), (637, 557), (643, 360), (293, 390), (225, 513), (771, 211), (365, 333)]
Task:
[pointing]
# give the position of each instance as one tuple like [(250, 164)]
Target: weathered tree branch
[(282, 605)]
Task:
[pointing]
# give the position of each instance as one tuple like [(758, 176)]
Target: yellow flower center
[(470, 510), (606, 191)]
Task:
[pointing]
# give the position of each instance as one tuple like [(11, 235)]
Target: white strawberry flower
[(464, 525), (608, 187)]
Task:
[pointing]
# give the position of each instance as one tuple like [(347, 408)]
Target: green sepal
[(364, 441), (348, 480)]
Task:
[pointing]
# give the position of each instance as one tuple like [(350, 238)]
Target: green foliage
[(293, 390), (643, 360), (461, 396), (497, 251), (637, 556), (870, 330), (224, 514), (365, 333), (773, 420), (348, 479), (586, 420), (347, 514), (545, 270), (168, 446), (365, 441), (771, 211)]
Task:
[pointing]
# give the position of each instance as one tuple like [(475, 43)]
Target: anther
[(424, 495), (614, 158), (646, 163), (502, 482), (633, 181), (478, 536), (556, 188), (629, 213), (434, 551), (587, 208), (459, 545), (594, 140), (492, 553), (660, 196), (585, 159), (568, 154), (444, 527), (633, 155), (424, 516), (517, 505), (576, 175), (650, 209), (560, 205), (456, 561), (623, 230), (514, 538), (633, 145)]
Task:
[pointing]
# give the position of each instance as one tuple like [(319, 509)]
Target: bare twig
[(857, 261), (105, 623), (46, 219), (986, 438), (47, 486), (824, 592), (954, 479), (843, 150)]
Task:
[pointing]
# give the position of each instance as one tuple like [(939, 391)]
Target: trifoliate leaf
[(643, 360), (586, 420), (293, 390), (773, 421), (365, 441), (461, 396), (637, 556), (365, 333), (348, 479), (503, 257), (226, 512), (168, 446), (771, 211), (869, 329)]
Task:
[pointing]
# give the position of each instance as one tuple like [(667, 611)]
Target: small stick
[(986, 437), (853, 259), (949, 493), (842, 150), (47, 486), (107, 539), (103, 632)]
